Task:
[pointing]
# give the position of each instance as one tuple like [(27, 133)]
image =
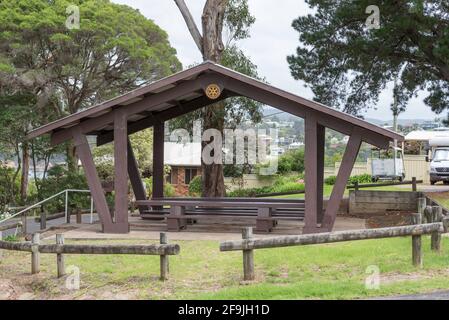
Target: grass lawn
[(333, 271), (327, 190)]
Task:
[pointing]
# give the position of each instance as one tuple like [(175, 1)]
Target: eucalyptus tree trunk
[(210, 43)]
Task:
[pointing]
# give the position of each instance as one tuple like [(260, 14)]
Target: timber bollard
[(23, 218), (437, 216), (60, 263), (248, 256), (414, 184), (79, 216), (164, 259), (43, 220), (68, 214), (35, 255), (417, 243)]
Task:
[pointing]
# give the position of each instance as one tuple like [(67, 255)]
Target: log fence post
[(417, 243), (164, 259), (35, 255), (248, 256), (437, 216), (60, 263)]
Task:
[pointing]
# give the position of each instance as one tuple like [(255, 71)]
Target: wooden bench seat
[(266, 212)]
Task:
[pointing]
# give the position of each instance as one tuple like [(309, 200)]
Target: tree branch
[(193, 29)]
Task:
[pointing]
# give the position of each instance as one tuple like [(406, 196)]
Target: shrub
[(59, 179), (196, 186), (291, 161), (169, 190), (363, 178), (330, 180), (9, 188)]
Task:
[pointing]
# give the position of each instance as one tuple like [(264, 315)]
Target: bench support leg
[(176, 224), (263, 225)]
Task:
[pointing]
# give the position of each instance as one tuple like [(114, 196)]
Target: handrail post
[(165, 267), (437, 216), (35, 255), (248, 256), (60, 263), (417, 243)]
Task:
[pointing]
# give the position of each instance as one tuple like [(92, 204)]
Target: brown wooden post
[(85, 155), (351, 152), (69, 213), (135, 178), (79, 216), (311, 173), (35, 255), (60, 263), (174, 223), (414, 184), (158, 161), (121, 170), (248, 257), (437, 216), (356, 186), (165, 267), (321, 135), (417, 243), (43, 220), (23, 218)]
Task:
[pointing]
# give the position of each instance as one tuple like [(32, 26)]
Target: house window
[(189, 175)]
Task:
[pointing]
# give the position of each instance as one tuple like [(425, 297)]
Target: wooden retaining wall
[(364, 202)]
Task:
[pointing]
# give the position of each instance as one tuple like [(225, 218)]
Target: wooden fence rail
[(438, 225), (163, 250), (10, 226)]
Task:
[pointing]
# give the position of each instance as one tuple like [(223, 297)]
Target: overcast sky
[(272, 40)]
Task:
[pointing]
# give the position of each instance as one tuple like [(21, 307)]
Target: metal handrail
[(66, 192)]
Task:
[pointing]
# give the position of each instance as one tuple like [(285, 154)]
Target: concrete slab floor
[(145, 230)]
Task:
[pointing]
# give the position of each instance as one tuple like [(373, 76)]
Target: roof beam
[(148, 104), (164, 116), (294, 108)]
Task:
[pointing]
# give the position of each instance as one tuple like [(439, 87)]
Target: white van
[(439, 161)]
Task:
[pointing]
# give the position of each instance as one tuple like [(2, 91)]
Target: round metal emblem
[(213, 91)]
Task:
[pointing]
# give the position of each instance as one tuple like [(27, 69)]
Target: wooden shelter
[(189, 90)]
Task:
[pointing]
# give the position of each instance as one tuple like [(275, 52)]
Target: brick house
[(184, 159)]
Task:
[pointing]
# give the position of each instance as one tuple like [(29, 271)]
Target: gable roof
[(181, 93)]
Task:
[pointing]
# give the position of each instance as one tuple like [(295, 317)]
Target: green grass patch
[(201, 271)]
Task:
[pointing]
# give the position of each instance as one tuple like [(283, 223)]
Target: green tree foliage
[(115, 49), (292, 160), (347, 65), (142, 144)]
